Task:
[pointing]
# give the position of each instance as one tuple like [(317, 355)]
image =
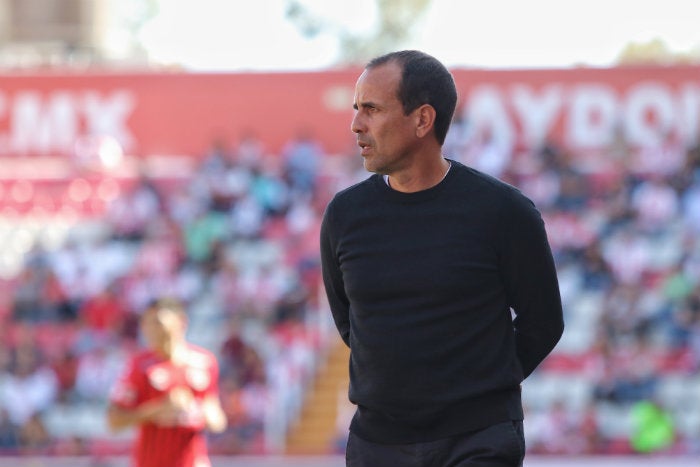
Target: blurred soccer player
[(170, 391), (423, 263)]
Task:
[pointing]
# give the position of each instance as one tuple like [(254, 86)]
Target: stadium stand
[(236, 239)]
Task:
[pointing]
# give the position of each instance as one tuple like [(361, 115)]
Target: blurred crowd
[(237, 241)]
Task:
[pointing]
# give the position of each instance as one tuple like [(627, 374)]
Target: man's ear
[(425, 119)]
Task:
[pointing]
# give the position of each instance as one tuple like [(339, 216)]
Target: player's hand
[(179, 408), (180, 398)]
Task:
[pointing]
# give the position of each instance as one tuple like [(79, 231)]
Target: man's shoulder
[(199, 351), (144, 356), (477, 176), (358, 188), (142, 359), (494, 186), (355, 192), (199, 356)]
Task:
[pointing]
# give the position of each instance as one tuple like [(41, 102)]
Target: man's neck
[(176, 352), (420, 177)]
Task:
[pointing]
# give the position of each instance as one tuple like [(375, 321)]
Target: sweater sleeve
[(333, 278), (531, 283)]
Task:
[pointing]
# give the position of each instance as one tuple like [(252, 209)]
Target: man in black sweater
[(440, 279)]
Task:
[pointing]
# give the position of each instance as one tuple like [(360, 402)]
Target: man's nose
[(356, 124)]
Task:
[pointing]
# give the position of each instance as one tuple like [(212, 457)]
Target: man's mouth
[(364, 147)]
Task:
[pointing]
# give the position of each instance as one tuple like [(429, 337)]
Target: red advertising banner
[(183, 114)]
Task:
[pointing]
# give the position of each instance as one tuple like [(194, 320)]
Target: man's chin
[(370, 166)]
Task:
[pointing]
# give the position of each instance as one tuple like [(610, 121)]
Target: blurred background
[(189, 148)]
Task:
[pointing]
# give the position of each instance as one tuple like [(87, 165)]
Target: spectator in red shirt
[(104, 312), (170, 391), (64, 364)]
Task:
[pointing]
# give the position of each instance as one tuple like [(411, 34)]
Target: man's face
[(386, 135), (161, 327)]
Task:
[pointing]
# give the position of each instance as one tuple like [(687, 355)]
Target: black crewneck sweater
[(421, 287)]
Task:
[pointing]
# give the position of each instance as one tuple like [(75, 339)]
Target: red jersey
[(150, 376)]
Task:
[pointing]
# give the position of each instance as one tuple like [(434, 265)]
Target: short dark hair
[(424, 80)]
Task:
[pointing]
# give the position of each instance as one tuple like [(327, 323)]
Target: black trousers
[(500, 445)]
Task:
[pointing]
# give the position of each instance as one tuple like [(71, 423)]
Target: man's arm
[(214, 416), (161, 411), (333, 281), (531, 283), (178, 405)]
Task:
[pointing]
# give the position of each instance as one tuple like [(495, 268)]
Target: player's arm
[(169, 410), (127, 408), (119, 418), (214, 416), (215, 419), (124, 409)]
